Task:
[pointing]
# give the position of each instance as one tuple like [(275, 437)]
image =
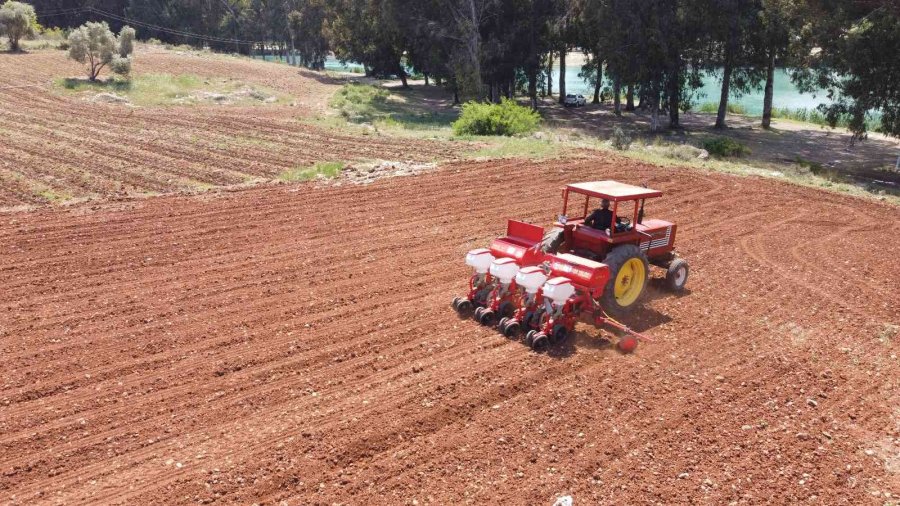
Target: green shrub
[(725, 146), (620, 140), (505, 118)]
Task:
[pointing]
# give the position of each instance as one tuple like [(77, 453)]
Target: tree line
[(653, 52)]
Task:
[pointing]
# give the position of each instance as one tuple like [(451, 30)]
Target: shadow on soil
[(320, 77), (833, 150), (74, 83)]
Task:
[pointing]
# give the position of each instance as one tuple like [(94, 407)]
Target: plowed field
[(296, 344), (102, 150)]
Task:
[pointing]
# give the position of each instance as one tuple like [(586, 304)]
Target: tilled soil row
[(295, 343), (62, 147)]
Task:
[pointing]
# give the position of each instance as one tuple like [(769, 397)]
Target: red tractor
[(577, 270)]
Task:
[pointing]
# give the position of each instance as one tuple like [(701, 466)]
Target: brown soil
[(296, 343), (101, 150)]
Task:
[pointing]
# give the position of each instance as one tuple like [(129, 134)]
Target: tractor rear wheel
[(629, 273), (677, 274), (553, 240)]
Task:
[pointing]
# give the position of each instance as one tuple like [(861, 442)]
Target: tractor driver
[(601, 218)]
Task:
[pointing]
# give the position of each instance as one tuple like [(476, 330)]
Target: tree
[(854, 58), (95, 45), (738, 24), (370, 32), (778, 20), (17, 20), (306, 28)]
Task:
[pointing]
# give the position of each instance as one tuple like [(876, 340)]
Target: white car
[(574, 101)]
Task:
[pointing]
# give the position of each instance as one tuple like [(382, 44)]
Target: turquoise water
[(331, 63), (785, 93)]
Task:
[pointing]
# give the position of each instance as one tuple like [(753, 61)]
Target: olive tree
[(95, 45), (17, 20)]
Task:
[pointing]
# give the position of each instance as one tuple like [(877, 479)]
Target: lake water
[(785, 94)]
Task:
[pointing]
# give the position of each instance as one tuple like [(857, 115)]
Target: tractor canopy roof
[(613, 190)]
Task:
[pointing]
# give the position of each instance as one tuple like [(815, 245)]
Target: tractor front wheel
[(629, 273), (677, 274)]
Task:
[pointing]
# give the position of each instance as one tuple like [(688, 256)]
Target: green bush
[(505, 118), (725, 146)]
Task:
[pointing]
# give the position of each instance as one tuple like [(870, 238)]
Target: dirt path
[(296, 344)]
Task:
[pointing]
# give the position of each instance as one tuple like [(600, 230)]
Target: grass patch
[(52, 196), (814, 116), (365, 103), (713, 108), (360, 103), (517, 147), (326, 170), (183, 89)]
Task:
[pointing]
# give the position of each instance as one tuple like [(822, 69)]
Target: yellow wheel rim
[(630, 281)]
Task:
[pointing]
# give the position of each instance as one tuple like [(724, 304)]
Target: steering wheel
[(623, 224)]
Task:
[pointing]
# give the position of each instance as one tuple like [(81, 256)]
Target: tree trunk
[(674, 92), (629, 98), (402, 73), (598, 84), (550, 75), (653, 101), (562, 75), (728, 66), (617, 96), (426, 77), (472, 22), (532, 88), (723, 98), (767, 98)]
